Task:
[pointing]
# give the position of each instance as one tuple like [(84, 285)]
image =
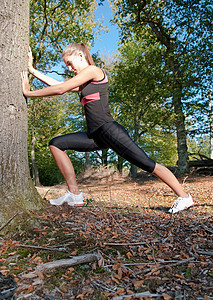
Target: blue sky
[(109, 39), (108, 42)]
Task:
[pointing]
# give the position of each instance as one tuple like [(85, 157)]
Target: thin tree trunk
[(120, 164), (211, 124), (34, 164), (17, 192), (104, 157), (183, 165), (88, 163), (133, 168)]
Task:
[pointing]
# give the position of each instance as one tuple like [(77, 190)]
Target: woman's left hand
[(25, 84)]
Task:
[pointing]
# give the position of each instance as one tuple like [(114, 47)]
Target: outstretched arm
[(72, 84), (44, 78)]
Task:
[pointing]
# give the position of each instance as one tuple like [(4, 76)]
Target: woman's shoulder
[(97, 72)]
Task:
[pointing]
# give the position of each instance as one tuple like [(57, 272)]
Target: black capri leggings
[(110, 135)]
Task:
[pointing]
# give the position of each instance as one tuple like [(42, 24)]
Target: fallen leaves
[(143, 251)]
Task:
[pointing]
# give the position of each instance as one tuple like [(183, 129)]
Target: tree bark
[(120, 164), (17, 192), (133, 168), (183, 165), (104, 157), (211, 124), (34, 164)]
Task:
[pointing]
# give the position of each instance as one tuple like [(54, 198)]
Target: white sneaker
[(181, 204), (70, 198)]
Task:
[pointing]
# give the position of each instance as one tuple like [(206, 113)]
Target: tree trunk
[(104, 157), (87, 163), (133, 168), (183, 165), (34, 164), (211, 124), (17, 192), (120, 164)]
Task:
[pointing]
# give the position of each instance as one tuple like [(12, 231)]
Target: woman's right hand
[(30, 61), (25, 84)]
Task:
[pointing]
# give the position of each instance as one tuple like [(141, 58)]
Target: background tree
[(140, 93), (184, 29), (17, 193)]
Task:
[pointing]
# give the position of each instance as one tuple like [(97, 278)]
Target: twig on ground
[(181, 262), (102, 285), (138, 295), (3, 226), (43, 248), (205, 253), (125, 244)]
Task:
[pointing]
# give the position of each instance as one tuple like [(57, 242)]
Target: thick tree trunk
[(17, 192), (183, 165)]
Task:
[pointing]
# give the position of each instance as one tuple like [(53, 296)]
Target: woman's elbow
[(61, 91)]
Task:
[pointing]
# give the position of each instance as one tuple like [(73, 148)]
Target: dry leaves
[(142, 247)]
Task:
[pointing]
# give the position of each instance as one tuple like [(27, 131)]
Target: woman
[(103, 132)]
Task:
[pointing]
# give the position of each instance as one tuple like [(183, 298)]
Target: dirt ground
[(143, 251)]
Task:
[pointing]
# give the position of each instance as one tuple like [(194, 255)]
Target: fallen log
[(201, 163), (77, 260)]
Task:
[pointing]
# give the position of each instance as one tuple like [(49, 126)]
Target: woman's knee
[(55, 142)]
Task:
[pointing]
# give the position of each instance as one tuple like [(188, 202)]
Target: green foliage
[(50, 117), (199, 145), (184, 30), (55, 24), (140, 97)]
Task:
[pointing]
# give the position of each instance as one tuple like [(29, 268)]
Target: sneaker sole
[(76, 204), (182, 209)]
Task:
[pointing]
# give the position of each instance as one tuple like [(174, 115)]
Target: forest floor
[(125, 243)]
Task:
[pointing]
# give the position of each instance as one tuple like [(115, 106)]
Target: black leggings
[(111, 135)]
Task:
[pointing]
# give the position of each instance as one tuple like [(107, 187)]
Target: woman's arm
[(72, 84), (44, 78)]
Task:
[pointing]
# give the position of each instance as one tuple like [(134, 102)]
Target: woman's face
[(75, 63)]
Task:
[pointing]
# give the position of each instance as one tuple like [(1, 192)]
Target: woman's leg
[(74, 141), (118, 140), (169, 178), (66, 168)]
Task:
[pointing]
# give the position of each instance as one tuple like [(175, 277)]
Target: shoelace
[(175, 204)]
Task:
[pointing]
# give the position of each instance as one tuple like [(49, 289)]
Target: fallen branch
[(206, 228), (2, 227), (43, 248), (205, 253), (77, 260), (102, 285), (125, 244), (181, 262), (138, 295)]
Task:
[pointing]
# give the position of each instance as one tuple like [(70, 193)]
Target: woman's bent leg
[(73, 141), (66, 168)]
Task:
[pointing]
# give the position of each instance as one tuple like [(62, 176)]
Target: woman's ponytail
[(72, 49), (87, 54)]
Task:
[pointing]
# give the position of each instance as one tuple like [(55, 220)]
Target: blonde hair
[(74, 48)]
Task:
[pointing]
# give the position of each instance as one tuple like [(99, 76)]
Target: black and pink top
[(94, 98)]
